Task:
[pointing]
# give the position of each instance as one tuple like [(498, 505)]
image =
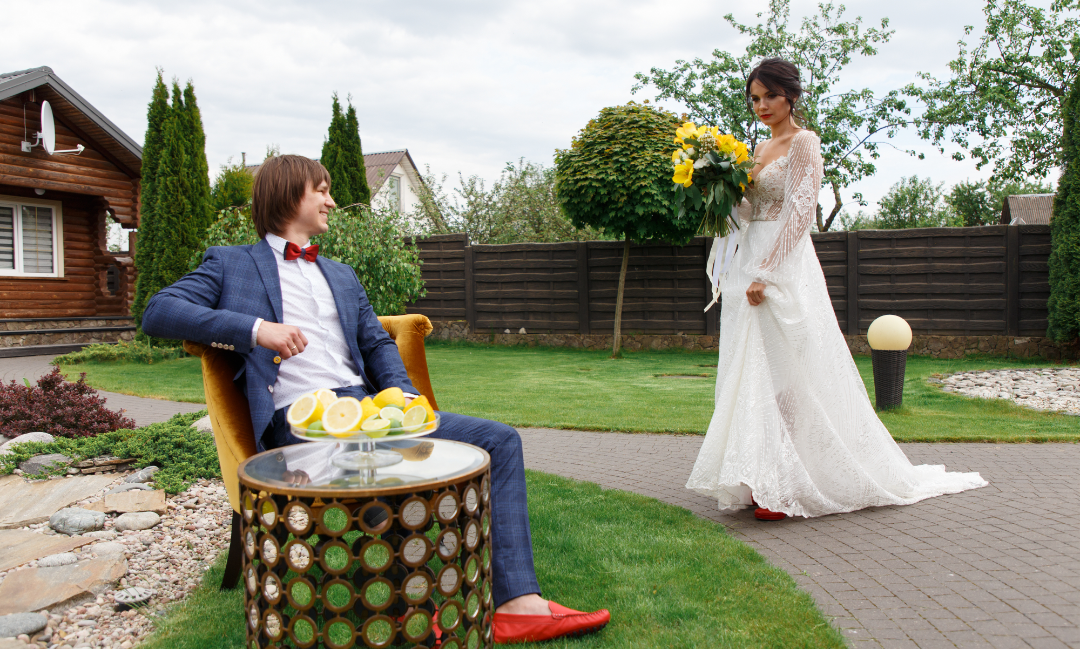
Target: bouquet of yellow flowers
[(712, 172)]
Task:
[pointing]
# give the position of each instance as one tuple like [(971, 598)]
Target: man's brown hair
[(279, 186)]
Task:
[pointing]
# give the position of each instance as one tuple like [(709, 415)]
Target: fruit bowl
[(360, 437)]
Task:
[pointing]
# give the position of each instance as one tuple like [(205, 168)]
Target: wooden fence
[(947, 281)]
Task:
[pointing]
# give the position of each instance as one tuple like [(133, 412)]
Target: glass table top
[(307, 469)]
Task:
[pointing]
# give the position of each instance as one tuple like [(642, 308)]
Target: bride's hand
[(756, 293)]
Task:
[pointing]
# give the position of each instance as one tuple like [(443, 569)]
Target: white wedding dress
[(793, 423)]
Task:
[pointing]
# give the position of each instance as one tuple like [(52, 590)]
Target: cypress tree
[(175, 205), (146, 248), (198, 169), (1063, 322), (344, 159)]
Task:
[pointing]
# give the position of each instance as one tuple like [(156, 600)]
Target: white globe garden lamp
[(889, 337)]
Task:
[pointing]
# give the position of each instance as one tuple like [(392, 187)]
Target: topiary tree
[(616, 176), (146, 248), (1063, 321), (343, 157)]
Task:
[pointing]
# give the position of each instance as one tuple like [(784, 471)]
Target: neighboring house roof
[(77, 114), (1027, 209), (378, 167)]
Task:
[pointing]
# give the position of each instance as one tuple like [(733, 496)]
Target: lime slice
[(315, 429), (393, 414), (413, 419), (376, 427)]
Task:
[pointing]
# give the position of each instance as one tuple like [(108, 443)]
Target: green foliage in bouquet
[(369, 241), (712, 171)]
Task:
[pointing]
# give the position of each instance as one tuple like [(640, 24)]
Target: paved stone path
[(995, 567), (143, 411)]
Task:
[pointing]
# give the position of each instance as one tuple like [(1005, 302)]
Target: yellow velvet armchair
[(230, 416)]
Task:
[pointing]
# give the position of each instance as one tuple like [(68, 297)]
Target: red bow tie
[(293, 251)]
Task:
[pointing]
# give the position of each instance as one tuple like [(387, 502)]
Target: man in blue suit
[(302, 322)]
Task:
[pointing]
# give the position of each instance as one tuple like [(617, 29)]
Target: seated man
[(303, 322)]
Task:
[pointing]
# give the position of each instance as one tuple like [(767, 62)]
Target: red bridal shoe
[(562, 623), (763, 514)]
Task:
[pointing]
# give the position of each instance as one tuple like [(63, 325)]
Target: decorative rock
[(203, 425), (20, 623), (110, 549), (129, 486), (45, 438), (54, 560), (39, 463), (33, 589), (136, 521), (107, 535), (75, 520), (142, 475), (1040, 389), (136, 501)]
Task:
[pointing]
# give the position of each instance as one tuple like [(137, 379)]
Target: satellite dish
[(48, 128)]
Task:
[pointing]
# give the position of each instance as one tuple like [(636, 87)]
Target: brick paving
[(997, 567), (143, 411)]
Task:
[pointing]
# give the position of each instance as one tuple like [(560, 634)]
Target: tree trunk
[(616, 343), (835, 210)]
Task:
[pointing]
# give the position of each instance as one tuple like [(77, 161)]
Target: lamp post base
[(889, 366)]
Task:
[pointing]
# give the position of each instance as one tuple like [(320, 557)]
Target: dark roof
[(75, 112), (378, 167), (1027, 209)]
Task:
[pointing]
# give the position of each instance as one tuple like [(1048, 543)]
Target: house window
[(394, 193), (30, 238)]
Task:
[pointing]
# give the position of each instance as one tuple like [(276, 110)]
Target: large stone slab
[(35, 589), (136, 501), (26, 503), (18, 547)]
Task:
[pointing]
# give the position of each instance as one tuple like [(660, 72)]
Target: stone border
[(923, 345)]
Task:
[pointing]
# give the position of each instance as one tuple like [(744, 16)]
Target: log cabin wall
[(86, 186)]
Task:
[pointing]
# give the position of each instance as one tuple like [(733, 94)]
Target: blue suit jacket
[(220, 301)]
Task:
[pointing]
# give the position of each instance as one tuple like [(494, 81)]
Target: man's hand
[(755, 294), (286, 340)]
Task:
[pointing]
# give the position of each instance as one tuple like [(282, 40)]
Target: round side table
[(395, 558)]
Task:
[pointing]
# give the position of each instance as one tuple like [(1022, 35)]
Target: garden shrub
[(183, 453), (135, 351), (57, 407)]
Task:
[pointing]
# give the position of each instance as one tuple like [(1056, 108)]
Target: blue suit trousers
[(513, 573)]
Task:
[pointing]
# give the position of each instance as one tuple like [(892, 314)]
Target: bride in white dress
[(793, 431)]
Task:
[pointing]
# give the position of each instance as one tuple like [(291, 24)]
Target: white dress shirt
[(308, 303)]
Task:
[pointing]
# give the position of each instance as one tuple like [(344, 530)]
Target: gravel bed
[(1056, 389), (170, 559)]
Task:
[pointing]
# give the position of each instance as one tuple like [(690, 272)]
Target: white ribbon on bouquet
[(723, 250)]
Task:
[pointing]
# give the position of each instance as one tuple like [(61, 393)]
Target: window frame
[(16, 203), (395, 193)]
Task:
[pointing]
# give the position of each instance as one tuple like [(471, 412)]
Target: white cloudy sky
[(465, 86)]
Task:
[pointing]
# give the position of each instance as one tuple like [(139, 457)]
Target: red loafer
[(763, 514), (562, 623)]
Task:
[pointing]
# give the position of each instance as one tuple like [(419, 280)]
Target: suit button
[(213, 344), (277, 360), (231, 347), (270, 388)]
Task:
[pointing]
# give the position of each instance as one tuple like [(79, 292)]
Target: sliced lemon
[(414, 418), (376, 427), (304, 410), (390, 397), (326, 396), (343, 417), (370, 410)]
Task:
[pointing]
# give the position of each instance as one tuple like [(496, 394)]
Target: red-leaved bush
[(56, 407)]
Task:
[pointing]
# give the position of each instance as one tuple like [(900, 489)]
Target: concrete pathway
[(994, 567), (143, 411)]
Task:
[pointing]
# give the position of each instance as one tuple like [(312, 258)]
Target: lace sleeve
[(804, 172)]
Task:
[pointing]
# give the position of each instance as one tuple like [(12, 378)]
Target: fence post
[(470, 289), (1012, 280), (584, 326), (853, 283)]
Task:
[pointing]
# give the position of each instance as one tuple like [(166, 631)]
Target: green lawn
[(667, 391), (669, 578)]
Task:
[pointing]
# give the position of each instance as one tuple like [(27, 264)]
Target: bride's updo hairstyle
[(782, 78)]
